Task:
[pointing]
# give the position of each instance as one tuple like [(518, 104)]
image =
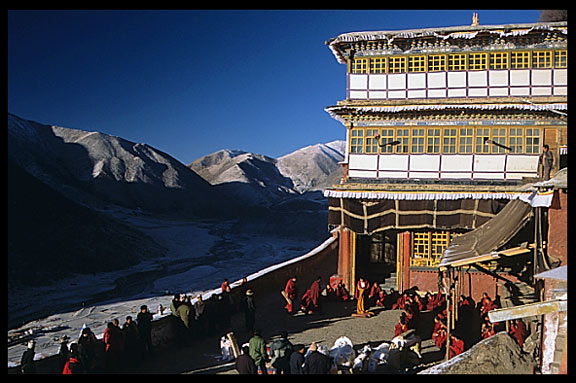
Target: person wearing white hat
[(27, 362)]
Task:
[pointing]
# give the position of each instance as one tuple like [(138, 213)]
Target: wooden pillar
[(352, 284), (346, 258), (403, 254), (407, 252)]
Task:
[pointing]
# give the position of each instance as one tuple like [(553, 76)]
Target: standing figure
[(361, 297), (249, 310), (244, 363), (144, 319), (546, 160), (280, 351), (257, 349), (114, 340), (27, 361), (289, 293), (73, 364)]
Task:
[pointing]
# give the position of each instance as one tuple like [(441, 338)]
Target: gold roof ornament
[(475, 19)]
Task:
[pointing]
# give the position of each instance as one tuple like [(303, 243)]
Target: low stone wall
[(321, 261)]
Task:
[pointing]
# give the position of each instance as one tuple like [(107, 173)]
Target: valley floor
[(200, 255)]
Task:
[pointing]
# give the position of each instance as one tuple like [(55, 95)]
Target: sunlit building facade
[(444, 127)]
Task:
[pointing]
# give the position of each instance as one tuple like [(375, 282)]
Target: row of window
[(445, 140), (461, 62)]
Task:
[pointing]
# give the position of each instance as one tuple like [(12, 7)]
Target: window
[(466, 136), (515, 140), (417, 64), (421, 245), (498, 136), (439, 242), (436, 63), (418, 140), (519, 60), (457, 61), (561, 59), (532, 140), (378, 65), (499, 60), (478, 61), (433, 141), (482, 134), (387, 136), (542, 59), (359, 66), (449, 142), (397, 64), (402, 135), (371, 142), (357, 141), (427, 247)]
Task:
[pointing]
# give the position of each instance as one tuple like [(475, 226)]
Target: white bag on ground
[(343, 352)]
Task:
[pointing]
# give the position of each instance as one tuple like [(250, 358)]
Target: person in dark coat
[(546, 160), (316, 362), (199, 317), (249, 310), (297, 359), (73, 365), (132, 341), (281, 349), (114, 340), (27, 362), (87, 346), (245, 364), (144, 319)]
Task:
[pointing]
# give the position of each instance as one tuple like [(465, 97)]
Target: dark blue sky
[(192, 82)]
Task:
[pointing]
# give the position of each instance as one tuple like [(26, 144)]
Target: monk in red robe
[(401, 326), (225, 286), (341, 292), (289, 293), (487, 330), (399, 305), (381, 298), (456, 346), (439, 333), (311, 299), (518, 331), (375, 291)]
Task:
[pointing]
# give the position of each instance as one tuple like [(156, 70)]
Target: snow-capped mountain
[(251, 178), (65, 184), (98, 169), (314, 167), (308, 169)]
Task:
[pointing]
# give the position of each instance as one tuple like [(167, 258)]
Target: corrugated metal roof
[(559, 181), (481, 243), (560, 273)]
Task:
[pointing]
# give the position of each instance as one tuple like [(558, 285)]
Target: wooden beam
[(532, 309)]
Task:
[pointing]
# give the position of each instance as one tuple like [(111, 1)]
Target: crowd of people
[(120, 346), (282, 357), (124, 346)]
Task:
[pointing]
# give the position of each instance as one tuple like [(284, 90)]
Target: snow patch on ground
[(199, 256)]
